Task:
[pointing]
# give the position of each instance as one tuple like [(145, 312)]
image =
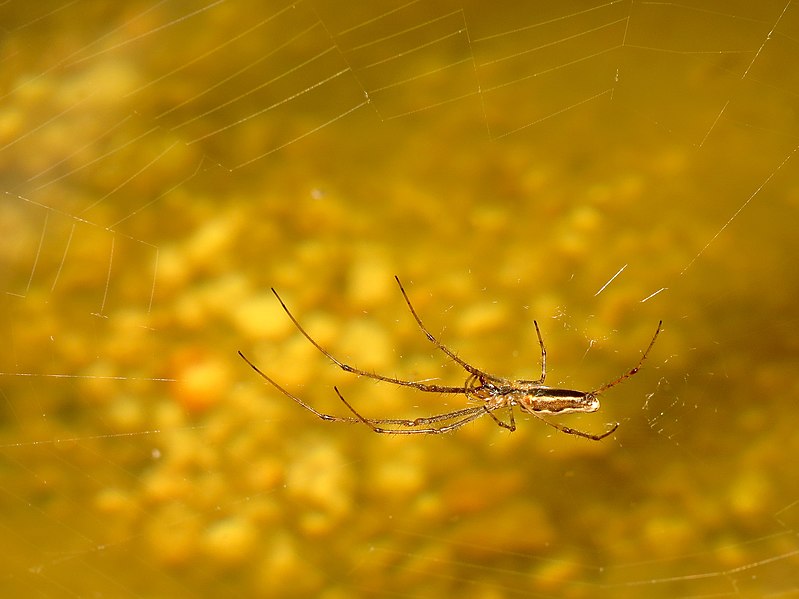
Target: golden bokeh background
[(164, 164)]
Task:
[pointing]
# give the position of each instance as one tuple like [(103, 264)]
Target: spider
[(491, 393)]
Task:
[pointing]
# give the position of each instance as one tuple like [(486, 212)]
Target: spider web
[(596, 166)]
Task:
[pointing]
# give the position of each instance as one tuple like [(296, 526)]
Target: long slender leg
[(331, 418), (467, 367), (295, 398), (543, 354), (512, 426), (469, 414), (635, 369), (411, 422), (571, 431), (359, 372)]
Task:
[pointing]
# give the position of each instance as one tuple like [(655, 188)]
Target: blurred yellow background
[(164, 164)]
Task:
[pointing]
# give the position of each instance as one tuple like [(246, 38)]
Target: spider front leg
[(463, 416)]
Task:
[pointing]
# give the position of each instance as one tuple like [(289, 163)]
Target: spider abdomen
[(548, 400)]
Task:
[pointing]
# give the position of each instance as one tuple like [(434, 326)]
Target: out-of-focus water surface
[(595, 167)]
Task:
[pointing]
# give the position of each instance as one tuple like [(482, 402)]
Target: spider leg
[(379, 377), (452, 355), (408, 422), (429, 419), (466, 415), (636, 368), (512, 426), (327, 417), (571, 431), (331, 418), (543, 354)]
